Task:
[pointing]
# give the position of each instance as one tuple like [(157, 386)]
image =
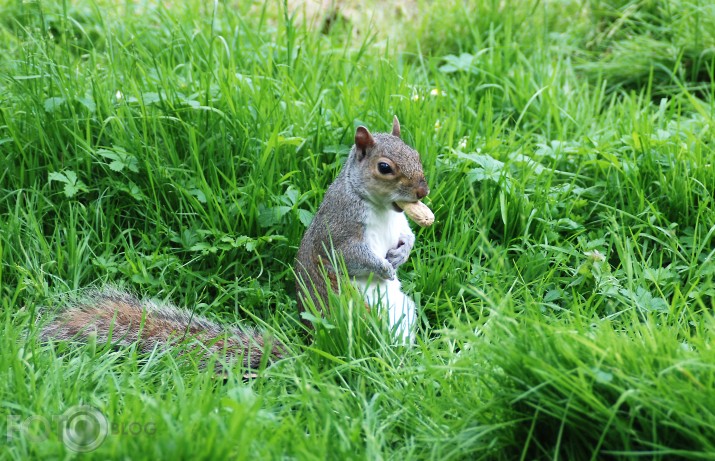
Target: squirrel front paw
[(407, 239), (398, 256), (388, 272)]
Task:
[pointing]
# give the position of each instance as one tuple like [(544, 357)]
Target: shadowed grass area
[(565, 291)]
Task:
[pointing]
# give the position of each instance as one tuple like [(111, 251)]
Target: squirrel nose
[(422, 190)]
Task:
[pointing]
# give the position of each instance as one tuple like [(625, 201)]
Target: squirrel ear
[(395, 127), (363, 138)]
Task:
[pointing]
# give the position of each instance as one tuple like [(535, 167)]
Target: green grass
[(566, 289)]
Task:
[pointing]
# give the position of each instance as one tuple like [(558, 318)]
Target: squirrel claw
[(397, 256), (389, 271)]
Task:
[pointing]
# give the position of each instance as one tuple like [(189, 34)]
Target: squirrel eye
[(384, 168)]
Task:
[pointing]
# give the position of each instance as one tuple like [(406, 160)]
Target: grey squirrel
[(359, 220), (362, 222)]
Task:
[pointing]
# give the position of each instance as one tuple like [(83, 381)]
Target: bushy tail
[(120, 318)]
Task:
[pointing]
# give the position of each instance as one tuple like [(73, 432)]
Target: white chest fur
[(382, 233), (383, 229)]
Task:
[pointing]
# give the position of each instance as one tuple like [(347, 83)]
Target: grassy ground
[(566, 289)]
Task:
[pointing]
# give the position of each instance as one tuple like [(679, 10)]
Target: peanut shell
[(418, 212)]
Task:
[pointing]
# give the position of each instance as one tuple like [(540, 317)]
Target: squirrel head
[(388, 170)]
